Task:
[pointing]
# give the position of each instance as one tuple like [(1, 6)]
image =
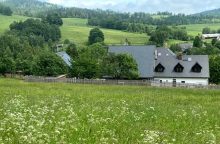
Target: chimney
[(179, 56), (155, 53)]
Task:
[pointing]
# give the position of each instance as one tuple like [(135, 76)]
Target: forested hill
[(28, 7), (214, 13), (132, 22)]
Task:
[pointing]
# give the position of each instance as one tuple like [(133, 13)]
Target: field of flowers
[(67, 113)]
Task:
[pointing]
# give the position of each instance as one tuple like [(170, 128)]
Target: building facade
[(163, 66)]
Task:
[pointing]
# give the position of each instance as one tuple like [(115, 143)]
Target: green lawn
[(76, 30), (195, 29), (69, 113)]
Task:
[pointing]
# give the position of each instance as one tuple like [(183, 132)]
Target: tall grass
[(66, 113)]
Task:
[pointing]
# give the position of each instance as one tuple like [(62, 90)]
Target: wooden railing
[(116, 82)]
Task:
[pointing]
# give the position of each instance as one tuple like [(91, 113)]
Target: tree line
[(24, 45), (5, 10), (29, 47), (163, 33), (132, 22)]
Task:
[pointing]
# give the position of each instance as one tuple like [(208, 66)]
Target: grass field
[(195, 29), (65, 113), (77, 30)]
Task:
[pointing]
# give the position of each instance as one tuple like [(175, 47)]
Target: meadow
[(72, 113), (5, 21), (195, 29), (76, 30)]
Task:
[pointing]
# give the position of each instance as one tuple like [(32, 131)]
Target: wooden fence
[(87, 81), (115, 82)]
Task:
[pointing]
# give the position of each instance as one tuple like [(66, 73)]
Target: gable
[(197, 68), (159, 68), (169, 61), (178, 68)]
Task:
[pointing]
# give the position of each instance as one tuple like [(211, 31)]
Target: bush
[(96, 35), (48, 64)]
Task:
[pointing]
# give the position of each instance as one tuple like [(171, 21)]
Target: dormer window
[(197, 68), (178, 68), (159, 68)]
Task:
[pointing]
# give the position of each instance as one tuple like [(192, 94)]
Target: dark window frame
[(159, 68), (178, 68), (196, 68)]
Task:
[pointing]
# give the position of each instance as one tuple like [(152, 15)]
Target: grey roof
[(169, 61), (144, 56), (66, 58), (185, 46)]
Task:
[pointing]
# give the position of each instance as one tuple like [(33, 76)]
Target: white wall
[(201, 81)]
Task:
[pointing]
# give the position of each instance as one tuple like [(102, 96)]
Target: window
[(196, 68), (183, 82), (178, 68), (159, 68)]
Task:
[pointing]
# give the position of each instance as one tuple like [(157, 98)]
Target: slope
[(76, 30), (7, 20), (215, 13)]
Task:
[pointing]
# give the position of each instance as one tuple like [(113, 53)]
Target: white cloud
[(176, 6), (55, 1)]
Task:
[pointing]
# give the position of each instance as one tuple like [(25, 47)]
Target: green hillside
[(7, 20), (76, 30), (195, 29), (215, 13), (28, 7)]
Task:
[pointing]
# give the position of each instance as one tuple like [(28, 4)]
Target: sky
[(150, 6)]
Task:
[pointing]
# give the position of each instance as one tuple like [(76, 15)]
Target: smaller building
[(211, 36), (190, 69), (163, 66), (185, 46), (65, 57)]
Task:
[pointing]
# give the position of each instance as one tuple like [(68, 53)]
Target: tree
[(175, 48), (121, 66), (84, 68), (48, 64), (206, 30), (214, 41), (72, 50), (53, 19), (214, 66), (7, 64), (96, 35), (89, 62), (24, 63), (159, 37), (5, 10), (217, 44), (198, 42), (208, 50), (35, 29)]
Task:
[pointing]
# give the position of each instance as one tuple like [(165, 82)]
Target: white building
[(163, 66), (211, 36), (190, 69)]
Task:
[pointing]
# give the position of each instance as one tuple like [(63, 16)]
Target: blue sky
[(152, 6)]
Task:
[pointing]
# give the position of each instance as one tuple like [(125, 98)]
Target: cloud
[(175, 6)]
